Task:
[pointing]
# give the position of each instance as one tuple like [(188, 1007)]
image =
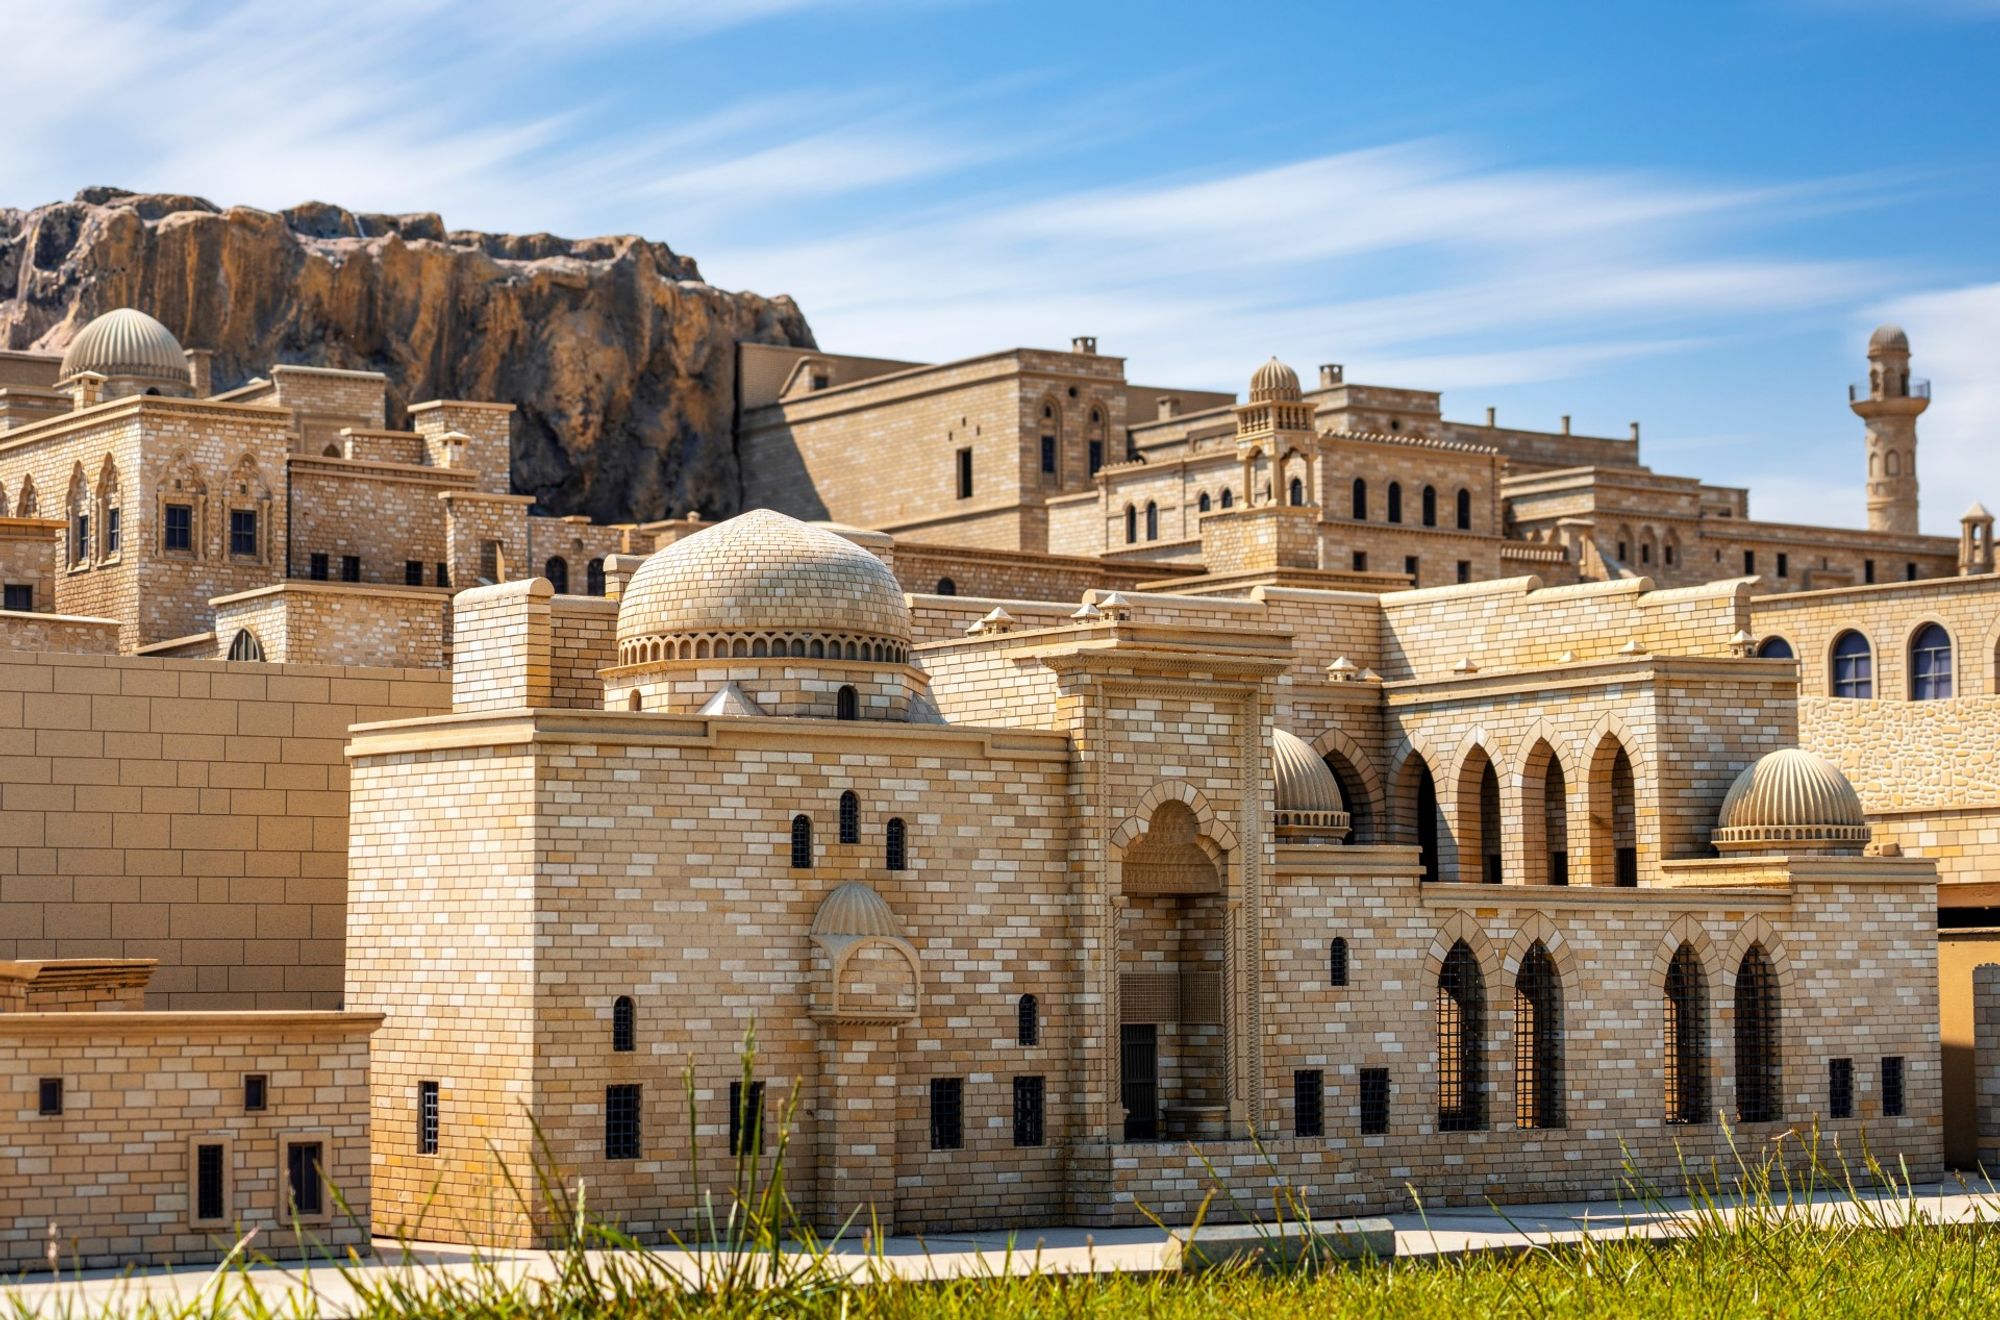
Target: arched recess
[(1460, 969), (76, 513), (1685, 977), (30, 503), (1611, 799), (1543, 810), (1359, 784), (1417, 816), (1538, 1040), (1476, 800)]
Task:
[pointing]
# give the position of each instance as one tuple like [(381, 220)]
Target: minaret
[(1890, 407)]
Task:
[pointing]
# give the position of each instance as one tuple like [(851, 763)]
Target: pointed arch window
[(1228, 498), (1464, 510), (1538, 1041), (1296, 492), (1201, 504), (1430, 509), (1684, 1042), (556, 570), (1028, 1021), (1360, 500), (79, 519), (1131, 525), (1395, 501), (1336, 962), (624, 1025), (110, 512), (1152, 521), (1461, 1032), (1930, 664), (1853, 667), (1757, 1075), (850, 817), (245, 646), (593, 577), (895, 845), (802, 843)]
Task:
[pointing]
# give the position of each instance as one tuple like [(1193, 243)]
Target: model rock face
[(620, 360)]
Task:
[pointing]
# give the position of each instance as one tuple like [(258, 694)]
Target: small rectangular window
[(1749, 562), (443, 578), (1374, 1101), (490, 560), (965, 474), (1625, 860), (1909, 572), (316, 567), (1840, 1088), (242, 531), (621, 1122), (305, 1168), (52, 1096), (1559, 867), (1049, 455), (211, 1181), (1360, 561), (746, 1121), (1308, 1103), (427, 1118), (179, 527), (1892, 1087), (1028, 1111), (1867, 570), (413, 572), (1096, 456), (111, 531), (350, 568), (81, 552), (947, 1113), (1464, 571), (20, 597), (1784, 564), (256, 1092), (1410, 567)]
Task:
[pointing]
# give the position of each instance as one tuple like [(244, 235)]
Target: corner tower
[(1889, 403)]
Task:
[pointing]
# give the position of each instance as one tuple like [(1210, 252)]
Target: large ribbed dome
[(1791, 799), (1274, 380), (1307, 795), (127, 342), (767, 577)]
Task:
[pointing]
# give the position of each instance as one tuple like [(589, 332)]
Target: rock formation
[(619, 357)]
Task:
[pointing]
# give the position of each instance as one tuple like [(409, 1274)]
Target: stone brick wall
[(583, 638), (1890, 616), (110, 1179), (30, 550), (386, 515), (501, 651), (188, 811), (488, 428), (475, 522), (324, 400), (330, 623), (59, 632)]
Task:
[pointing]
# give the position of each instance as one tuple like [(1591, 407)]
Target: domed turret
[(132, 351), (1307, 796), (1792, 801), (1274, 380), (1888, 339)]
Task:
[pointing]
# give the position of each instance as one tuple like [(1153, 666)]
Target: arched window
[(1461, 1028), (245, 646), (850, 817), (1774, 648), (635, 701), (895, 850), (946, 587), (593, 577), (1430, 506), (1152, 521), (1228, 498), (1028, 1021), (1756, 1038), (1424, 807), (802, 843), (1538, 1043), (1478, 832), (1201, 505), (556, 570), (1685, 1042), (1336, 962), (1297, 492), (1853, 666), (846, 703), (1360, 500), (624, 1025), (1395, 501), (110, 511), (79, 518), (1131, 525), (1464, 510), (1930, 664)]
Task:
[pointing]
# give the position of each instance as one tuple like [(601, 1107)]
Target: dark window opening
[(1465, 511), (1131, 525), (1360, 561), (413, 572), (1749, 562), (1868, 570), (1464, 571), (51, 1096), (1296, 492), (427, 1118), (179, 527), (256, 1093), (1757, 1075), (1049, 455), (111, 531), (1853, 667), (746, 1119), (1430, 506), (895, 846), (1930, 664), (1096, 456), (1028, 1093), (305, 1167), (1202, 503), (1360, 500), (1028, 1021), (1840, 1088), (1395, 501), (1374, 1101), (1909, 572), (316, 567), (1784, 564), (947, 1113), (593, 577), (442, 577), (1139, 1079), (850, 817), (1308, 1103), (1892, 1087), (1410, 567), (1427, 823), (624, 1025), (20, 597), (1336, 958), (1685, 1038), (946, 587), (350, 568), (847, 703), (965, 474), (242, 531), (1228, 498), (1461, 1032), (621, 1122), (1152, 521), (210, 1204), (556, 569), (1538, 1042), (1775, 648), (802, 843)]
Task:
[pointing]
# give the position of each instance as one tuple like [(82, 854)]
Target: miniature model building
[(1129, 771)]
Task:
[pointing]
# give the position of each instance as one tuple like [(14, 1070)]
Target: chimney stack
[(86, 388), (1635, 433), (1331, 373), (200, 371), (1565, 423), (1170, 406), (1084, 344), (1492, 415)]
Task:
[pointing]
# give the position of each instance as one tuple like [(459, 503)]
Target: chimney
[(1085, 344), (1635, 433), (1492, 414), (1565, 423), (200, 371), (86, 388), (1170, 406), (819, 374), (1331, 373)]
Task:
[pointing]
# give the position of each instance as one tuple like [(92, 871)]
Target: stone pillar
[(502, 647), (1986, 1060), (859, 1076)]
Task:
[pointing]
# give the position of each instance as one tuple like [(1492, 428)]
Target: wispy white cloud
[(1952, 337)]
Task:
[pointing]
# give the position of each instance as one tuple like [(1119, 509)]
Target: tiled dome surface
[(127, 342), (763, 572), (1792, 798), (1274, 380)]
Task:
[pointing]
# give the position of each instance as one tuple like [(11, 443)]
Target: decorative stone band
[(860, 647), (1315, 822), (1743, 837)]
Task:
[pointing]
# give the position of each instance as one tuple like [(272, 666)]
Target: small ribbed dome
[(854, 911), (1274, 380), (1791, 799), (768, 576), (1307, 796), (1888, 339), (127, 342)]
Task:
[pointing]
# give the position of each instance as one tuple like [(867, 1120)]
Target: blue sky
[(1685, 214)]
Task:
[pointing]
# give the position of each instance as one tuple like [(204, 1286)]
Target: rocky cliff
[(619, 357)]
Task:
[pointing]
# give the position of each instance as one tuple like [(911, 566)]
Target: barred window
[(1840, 1088), (304, 1170), (746, 1119), (1538, 1042), (896, 853), (1028, 1021), (427, 1118), (850, 818), (1461, 1030), (947, 1113), (846, 703), (1308, 1103), (210, 1179), (1374, 1101), (1892, 1087), (624, 1025), (802, 843), (1028, 1111), (1756, 1038), (1685, 1038), (256, 1092), (1336, 958), (621, 1122)]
